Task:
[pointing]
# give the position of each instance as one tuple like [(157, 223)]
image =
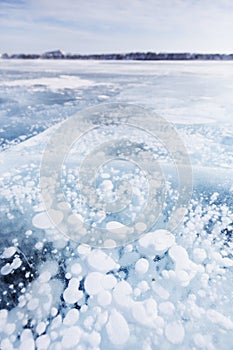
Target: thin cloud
[(108, 26)]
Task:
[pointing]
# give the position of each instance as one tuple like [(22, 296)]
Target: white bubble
[(93, 283), (42, 221), (71, 317), (71, 337), (142, 266), (8, 252), (117, 328), (109, 243), (175, 333)]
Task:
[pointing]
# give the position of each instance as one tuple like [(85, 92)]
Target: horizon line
[(138, 55)]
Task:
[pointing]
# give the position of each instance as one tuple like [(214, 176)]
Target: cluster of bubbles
[(118, 157)]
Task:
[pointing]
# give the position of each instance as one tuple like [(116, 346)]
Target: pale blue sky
[(92, 26)]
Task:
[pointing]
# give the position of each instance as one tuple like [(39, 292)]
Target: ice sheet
[(164, 290)]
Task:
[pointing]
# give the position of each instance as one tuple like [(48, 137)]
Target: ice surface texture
[(121, 149), (165, 290)]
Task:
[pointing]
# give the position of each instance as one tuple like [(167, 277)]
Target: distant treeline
[(140, 56)]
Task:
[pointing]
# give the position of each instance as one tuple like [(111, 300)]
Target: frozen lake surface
[(165, 290)]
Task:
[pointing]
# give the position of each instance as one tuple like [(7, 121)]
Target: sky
[(105, 26)]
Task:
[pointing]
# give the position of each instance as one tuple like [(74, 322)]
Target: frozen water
[(164, 290)]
